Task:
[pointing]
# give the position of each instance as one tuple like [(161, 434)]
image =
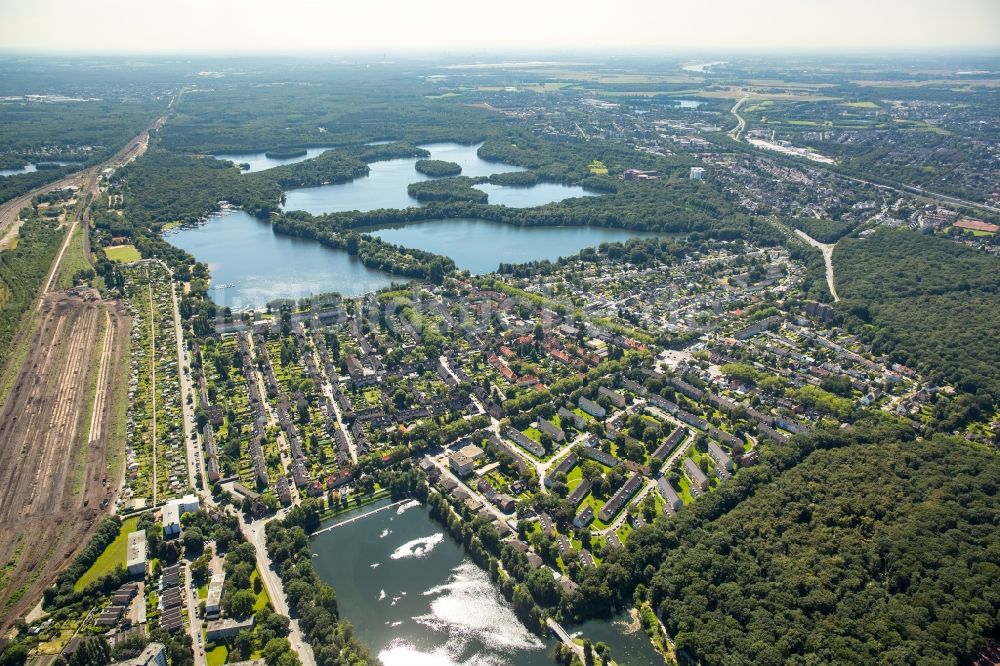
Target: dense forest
[(867, 554), (930, 303), (459, 188), (372, 251), (864, 552), (22, 271), (331, 166), (438, 168), (166, 187), (677, 207), (333, 106)]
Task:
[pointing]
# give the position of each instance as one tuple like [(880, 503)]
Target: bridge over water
[(362, 515)]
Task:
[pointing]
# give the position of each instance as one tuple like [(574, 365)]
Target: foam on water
[(418, 547), (408, 505)]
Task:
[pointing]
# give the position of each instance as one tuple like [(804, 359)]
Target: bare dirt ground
[(52, 490)]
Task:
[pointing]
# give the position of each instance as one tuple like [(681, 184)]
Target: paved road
[(920, 192), (741, 124), (472, 492), (194, 624), (187, 389), (564, 636), (152, 378), (275, 590)]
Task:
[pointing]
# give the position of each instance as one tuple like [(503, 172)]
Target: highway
[(737, 132), (741, 124), (921, 193)]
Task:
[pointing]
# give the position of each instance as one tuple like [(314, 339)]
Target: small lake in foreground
[(245, 252), (416, 599), (480, 246)]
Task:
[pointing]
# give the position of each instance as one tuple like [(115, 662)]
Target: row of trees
[(313, 601)]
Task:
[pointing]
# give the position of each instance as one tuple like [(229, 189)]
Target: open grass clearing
[(122, 253), (114, 555)]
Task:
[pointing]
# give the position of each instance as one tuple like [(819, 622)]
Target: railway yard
[(47, 513), (64, 405)]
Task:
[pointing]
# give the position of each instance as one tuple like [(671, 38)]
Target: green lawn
[(123, 253), (217, 657), (262, 598), (113, 555)]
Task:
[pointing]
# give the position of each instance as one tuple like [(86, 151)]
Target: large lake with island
[(416, 599), (251, 265), (385, 185)]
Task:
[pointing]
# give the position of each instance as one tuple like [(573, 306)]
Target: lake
[(535, 195), (385, 185), (415, 598), (480, 246), (31, 168), (260, 161), (245, 252), (242, 251)]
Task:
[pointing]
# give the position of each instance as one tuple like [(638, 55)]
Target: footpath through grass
[(115, 554)]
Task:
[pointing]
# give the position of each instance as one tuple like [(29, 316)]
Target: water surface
[(415, 598), (245, 252), (628, 647), (259, 161), (534, 195), (31, 168), (480, 246), (385, 184)]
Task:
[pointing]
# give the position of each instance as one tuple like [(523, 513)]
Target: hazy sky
[(475, 25)]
